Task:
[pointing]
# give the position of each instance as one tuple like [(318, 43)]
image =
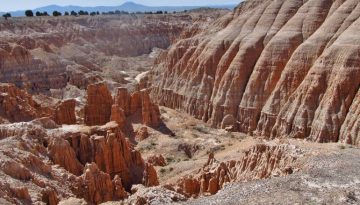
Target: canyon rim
[(254, 105)]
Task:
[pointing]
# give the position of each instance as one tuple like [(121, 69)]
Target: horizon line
[(205, 5)]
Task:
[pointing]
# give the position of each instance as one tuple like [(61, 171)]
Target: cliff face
[(101, 108), (45, 53), (17, 105), (96, 163), (279, 68)]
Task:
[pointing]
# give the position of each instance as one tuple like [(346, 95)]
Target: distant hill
[(128, 6)]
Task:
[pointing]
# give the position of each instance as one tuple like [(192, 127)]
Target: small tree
[(66, 13), (7, 15), (56, 13), (81, 12), (93, 13), (29, 13), (45, 13), (38, 13), (97, 13), (73, 13), (165, 12)]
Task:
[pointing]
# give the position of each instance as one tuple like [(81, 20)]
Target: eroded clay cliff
[(125, 108), (260, 162), (53, 53), (50, 164), (278, 68)]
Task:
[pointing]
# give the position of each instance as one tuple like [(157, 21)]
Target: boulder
[(141, 134)]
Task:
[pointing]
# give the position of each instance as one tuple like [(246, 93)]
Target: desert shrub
[(56, 13), (7, 15), (29, 13)]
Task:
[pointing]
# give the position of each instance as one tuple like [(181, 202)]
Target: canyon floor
[(132, 109)]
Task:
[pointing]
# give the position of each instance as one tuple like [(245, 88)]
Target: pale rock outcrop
[(72, 200), (153, 195), (283, 68), (26, 168), (261, 161)]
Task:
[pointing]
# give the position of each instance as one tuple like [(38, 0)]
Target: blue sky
[(12, 5)]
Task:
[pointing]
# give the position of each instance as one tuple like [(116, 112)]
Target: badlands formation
[(253, 106), (271, 68)]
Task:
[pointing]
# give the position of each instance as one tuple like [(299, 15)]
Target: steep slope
[(279, 68), (45, 53)]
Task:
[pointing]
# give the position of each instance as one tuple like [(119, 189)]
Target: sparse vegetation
[(56, 13), (215, 149), (202, 129), (73, 13), (162, 170), (170, 160), (82, 13), (342, 146), (6, 16), (41, 13), (29, 13)]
